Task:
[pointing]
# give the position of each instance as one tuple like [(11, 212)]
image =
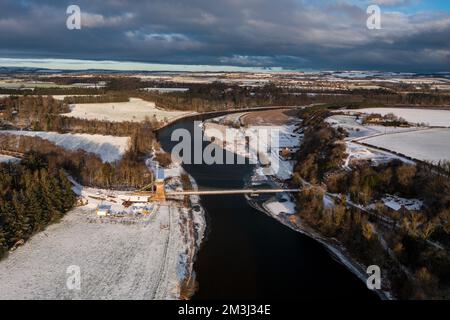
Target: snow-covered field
[(274, 137), (357, 152), (437, 118), (396, 203), (135, 110), (61, 97), (427, 145), (129, 257), (7, 159), (356, 130), (365, 133), (109, 148), (116, 261)]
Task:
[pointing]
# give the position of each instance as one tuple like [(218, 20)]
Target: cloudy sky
[(294, 34)]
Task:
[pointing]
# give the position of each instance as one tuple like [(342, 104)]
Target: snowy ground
[(135, 110), (274, 137), (120, 257), (280, 207), (356, 130), (367, 133), (360, 152), (427, 145), (116, 261), (109, 148), (61, 97), (437, 118), (166, 90), (7, 159), (94, 197), (396, 203), (233, 118), (281, 169)]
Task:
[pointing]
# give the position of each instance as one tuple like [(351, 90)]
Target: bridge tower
[(160, 192)]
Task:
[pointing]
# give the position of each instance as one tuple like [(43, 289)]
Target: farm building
[(103, 210)]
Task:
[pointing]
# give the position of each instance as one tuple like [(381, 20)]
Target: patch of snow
[(328, 202), (356, 152), (8, 159), (277, 207), (286, 135), (61, 97), (396, 203), (166, 90), (355, 130)]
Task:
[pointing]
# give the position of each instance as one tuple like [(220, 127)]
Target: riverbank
[(274, 207), (193, 227), (338, 251), (249, 255)]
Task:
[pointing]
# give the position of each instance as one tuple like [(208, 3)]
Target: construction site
[(145, 200)]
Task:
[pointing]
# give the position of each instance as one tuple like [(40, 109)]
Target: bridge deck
[(230, 192)]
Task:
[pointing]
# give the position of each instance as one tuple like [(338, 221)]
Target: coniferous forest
[(33, 194)]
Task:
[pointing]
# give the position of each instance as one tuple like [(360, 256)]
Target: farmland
[(117, 261), (434, 118), (109, 148), (421, 143), (135, 110)]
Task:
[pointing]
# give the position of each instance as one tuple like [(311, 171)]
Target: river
[(248, 255)]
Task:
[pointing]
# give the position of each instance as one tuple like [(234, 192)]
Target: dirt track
[(269, 117)]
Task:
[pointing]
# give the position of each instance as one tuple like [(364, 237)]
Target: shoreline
[(337, 251), (198, 226), (193, 226)]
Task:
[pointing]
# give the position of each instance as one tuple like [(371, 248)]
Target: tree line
[(320, 162), (33, 194), (87, 168)]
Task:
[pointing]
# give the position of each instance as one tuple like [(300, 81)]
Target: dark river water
[(248, 255)]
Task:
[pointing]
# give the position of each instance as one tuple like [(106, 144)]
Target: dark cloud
[(288, 33)]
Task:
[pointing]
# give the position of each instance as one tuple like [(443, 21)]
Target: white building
[(103, 210), (141, 208)]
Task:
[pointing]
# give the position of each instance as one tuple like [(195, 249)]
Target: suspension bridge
[(229, 192), (158, 192)]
